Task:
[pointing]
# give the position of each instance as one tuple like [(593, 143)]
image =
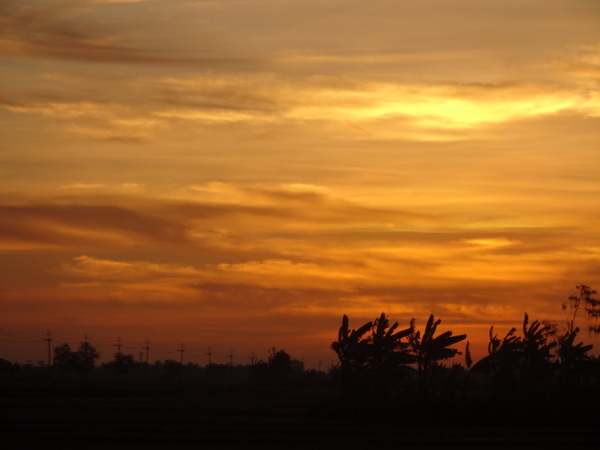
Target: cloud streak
[(259, 239), (382, 111)]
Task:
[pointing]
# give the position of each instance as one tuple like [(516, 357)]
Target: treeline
[(80, 366)]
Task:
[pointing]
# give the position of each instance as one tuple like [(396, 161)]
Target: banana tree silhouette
[(353, 353), (536, 356), (429, 350), (388, 357), (501, 361), (528, 356), (387, 349), (574, 361), (468, 363), (371, 364)]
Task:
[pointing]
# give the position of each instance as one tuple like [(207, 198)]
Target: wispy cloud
[(65, 30), (83, 186), (580, 61)]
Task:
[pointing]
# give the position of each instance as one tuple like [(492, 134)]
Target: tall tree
[(584, 298), (64, 358), (87, 356)]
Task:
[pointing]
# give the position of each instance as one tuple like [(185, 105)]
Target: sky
[(241, 173)]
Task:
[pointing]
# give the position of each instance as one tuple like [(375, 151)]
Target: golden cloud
[(103, 269)]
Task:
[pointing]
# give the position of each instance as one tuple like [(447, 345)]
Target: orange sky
[(240, 174)]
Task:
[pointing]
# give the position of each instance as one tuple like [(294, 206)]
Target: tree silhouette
[(572, 355), (353, 354), (386, 350), (536, 356), (501, 361), (388, 360), (64, 358), (468, 358), (123, 363), (83, 360), (87, 356), (279, 366), (519, 364), (584, 298), (375, 368), (372, 365), (429, 350)]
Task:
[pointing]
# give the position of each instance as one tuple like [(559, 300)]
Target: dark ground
[(227, 417)]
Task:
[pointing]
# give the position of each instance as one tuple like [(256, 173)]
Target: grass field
[(227, 417)]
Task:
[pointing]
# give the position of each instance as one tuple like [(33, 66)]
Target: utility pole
[(119, 345), (319, 365), (85, 349), (147, 348), (48, 339), (181, 350), (209, 356), (230, 356), (252, 358)]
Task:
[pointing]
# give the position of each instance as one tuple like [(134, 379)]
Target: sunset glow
[(239, 174)]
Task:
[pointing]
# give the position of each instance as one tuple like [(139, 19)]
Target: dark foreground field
[(241, 417)]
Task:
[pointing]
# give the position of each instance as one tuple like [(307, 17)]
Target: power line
[(16, 338), (17, 341), (18, 334), (67, 337)]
